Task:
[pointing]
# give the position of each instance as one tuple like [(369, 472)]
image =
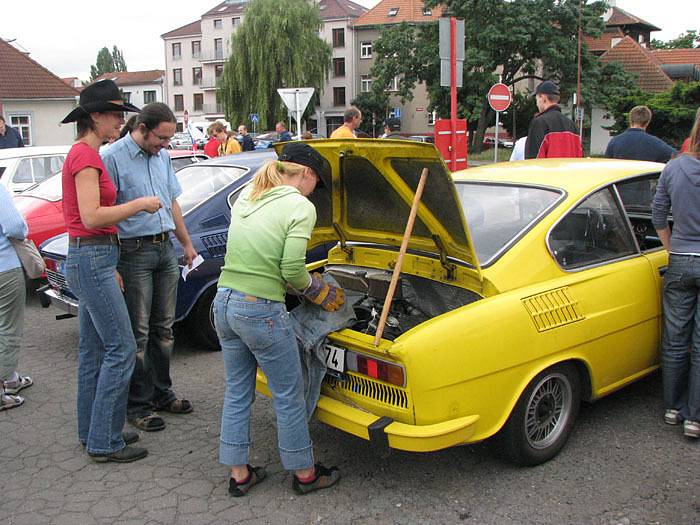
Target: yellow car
[(527, 287)]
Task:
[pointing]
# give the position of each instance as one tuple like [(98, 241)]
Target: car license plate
[(335, 358)]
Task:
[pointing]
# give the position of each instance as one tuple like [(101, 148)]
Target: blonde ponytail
[(273, 174)]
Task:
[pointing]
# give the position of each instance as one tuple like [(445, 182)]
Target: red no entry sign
[(499, 97)]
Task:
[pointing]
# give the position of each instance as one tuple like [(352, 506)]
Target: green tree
[(107, 62), (277, 45), (689, 39), (513, 37), (673, 111)]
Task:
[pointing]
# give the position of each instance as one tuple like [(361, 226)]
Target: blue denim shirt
[(137, 174)]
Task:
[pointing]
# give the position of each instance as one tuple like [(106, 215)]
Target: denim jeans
[(680, 356), (106, 350), (150, 274), (12, 298), (256, 332)]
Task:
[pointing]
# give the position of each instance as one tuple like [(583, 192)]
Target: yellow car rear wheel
[(544, 416)]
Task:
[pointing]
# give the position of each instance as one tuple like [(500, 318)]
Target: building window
[(218, 23), (198, 101), (236, 21), (179, 103), (365, 49), (196, 76), (339, 37), (177, 51), (427, 11), (366, 83), (218, 48), (196, 48), (126, 96), (218, 71), (394, 84), (23, 124), (338, 67), (149, 96), (393, 11), (177, 77), (338, 96)]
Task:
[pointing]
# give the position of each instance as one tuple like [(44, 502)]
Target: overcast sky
[(65, 35)]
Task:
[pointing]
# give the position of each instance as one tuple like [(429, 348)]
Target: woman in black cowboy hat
[(107, 348)]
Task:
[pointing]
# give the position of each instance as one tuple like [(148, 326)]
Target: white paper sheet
[(195, 262)]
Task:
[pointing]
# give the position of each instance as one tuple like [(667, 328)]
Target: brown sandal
[(178, 406), (149, 423)]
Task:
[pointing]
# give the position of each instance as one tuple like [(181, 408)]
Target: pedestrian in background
[(679, 189), (352, 118), (140, 166), (307, 135), (285, 136), (247, 143), (392, 126), (107, 348), (271, 223), (9, 136), (636, 144), (211, 148), (230, 145), (12, 298), (551, 134)]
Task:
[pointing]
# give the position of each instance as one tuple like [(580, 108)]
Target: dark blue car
[(209, 188)]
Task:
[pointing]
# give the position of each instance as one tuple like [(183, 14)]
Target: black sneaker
[(325, 477), (255, 476), (125, 455)]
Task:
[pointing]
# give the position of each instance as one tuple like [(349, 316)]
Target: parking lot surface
[(622, 465)]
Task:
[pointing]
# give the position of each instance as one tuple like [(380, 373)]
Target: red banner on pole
[(443, 142)]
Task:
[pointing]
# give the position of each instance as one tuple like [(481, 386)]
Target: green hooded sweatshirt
[(266, 247)]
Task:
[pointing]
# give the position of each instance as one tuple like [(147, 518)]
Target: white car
[(21, 168)]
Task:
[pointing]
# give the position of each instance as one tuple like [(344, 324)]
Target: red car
[(41, 205)]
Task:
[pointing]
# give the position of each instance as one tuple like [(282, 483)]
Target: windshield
[(201, 182), (51, 189), (498, 213)]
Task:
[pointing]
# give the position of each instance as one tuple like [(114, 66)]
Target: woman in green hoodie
[(271, 224)]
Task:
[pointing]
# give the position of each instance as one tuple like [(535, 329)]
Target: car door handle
[(662, 270)]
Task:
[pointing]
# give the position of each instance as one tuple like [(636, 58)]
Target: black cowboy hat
[(303, 154), (99, 98)]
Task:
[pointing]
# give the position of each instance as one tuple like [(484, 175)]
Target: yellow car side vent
[(552, 309), (367, 387)]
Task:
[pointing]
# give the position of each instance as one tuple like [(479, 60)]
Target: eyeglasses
[(163, 139)]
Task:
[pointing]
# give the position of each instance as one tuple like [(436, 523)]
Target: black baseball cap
[(546, 88), (302, 153)]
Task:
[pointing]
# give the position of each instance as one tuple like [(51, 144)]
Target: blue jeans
[(107, 348), (150, 274), (256, 332), (680, 356)]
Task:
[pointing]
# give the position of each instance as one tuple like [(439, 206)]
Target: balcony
[(211, 57), (208, 84), (214, 109)]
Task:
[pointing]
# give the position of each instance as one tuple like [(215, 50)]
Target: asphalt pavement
[(622, 465)]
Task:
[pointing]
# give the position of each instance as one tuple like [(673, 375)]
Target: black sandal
[(148, 423), (255, 476)]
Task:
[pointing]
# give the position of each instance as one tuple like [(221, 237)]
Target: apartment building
[(414, 115), (139, 87), (195, 55)]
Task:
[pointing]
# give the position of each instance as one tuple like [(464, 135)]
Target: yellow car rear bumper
[(383, 431)]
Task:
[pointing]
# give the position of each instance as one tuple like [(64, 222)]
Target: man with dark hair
[(9, 136), (352, 118), (392, 126), (285, 136), (247, 143), (636, 144), (551, 134), (139, 166)]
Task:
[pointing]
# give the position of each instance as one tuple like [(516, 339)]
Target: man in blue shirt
[(636, 144), (285, 136), (139, 166), (9, 136)]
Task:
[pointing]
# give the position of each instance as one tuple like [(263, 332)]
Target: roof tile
[(21, 77), (130, 78), (191, 29), (636, 59), (620, 17), (332, 9), (677, 56), (408, 11)]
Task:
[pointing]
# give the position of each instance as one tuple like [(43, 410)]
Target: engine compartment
[(415, 300)]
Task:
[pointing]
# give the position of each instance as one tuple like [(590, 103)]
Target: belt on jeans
[(76, 242), (158, 237)]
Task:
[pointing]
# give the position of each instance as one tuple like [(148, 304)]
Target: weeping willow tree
[(277, 45)]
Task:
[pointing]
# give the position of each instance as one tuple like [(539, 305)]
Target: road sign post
[(451, 60), (499, 98), (296, 100), (254, 118)]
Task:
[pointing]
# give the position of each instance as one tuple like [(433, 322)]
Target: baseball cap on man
[(393, 123), (301, 153), (546, 88)]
